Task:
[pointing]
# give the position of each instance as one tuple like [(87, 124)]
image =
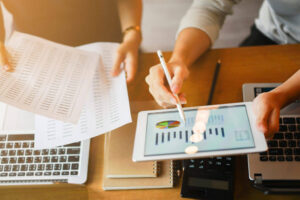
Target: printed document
[(49, 79), (106, 108)]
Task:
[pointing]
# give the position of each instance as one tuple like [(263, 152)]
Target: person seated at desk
[(278, 23), (78, 22)]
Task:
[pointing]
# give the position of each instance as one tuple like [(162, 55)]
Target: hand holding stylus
[(169, 80)]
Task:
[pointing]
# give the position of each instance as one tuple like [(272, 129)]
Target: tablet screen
[(213, 129)]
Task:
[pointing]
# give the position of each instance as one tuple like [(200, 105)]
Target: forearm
[(289, 91), (190, 44), (130, 12)]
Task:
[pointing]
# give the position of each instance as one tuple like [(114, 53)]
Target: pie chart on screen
[(168, 124)]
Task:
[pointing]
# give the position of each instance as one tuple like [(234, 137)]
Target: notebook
[(164, 179), (118, 150)]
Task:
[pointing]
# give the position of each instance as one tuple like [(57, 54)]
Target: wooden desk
[(239, 65)]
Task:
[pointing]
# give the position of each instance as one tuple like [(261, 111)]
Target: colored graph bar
[(168, 136), (186, 137), (180, 134), (216, 129), (204, 134), (156, 139), (174, 134), (162, 138), (223, 133), (210, 132)]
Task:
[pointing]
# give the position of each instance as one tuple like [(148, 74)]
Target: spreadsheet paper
[(49, 79), (106, 108)]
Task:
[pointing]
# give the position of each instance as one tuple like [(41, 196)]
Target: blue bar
[(216, 131), (186, 136), (210, 132), (223, 133), (156, 139)]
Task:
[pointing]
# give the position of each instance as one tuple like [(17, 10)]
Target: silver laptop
[(282, 160), (21, 164)]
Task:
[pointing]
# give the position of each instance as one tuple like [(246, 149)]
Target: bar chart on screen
[(207, 130), (184, 136)]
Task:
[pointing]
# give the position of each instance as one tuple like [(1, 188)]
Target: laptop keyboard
[(18, 158), (285, 145)]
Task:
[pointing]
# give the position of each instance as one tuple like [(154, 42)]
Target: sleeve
[(207, 15)]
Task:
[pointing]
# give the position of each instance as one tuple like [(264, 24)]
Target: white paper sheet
[(49, 79), (107, 106)]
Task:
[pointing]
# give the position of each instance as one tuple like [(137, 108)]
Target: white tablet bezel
[(140, 136)]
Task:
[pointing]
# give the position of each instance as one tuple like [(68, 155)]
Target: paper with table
[(55, 88), (106, 108)]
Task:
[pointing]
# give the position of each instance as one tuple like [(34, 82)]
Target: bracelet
[(136, 28)]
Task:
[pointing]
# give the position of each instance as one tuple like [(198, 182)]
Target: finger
[(157, 87), (164, 95), (131, 67), (182, 98), (158, 101), (117, 65), (263, 118), (177, 80), (4, 59), (161, 94), (273, 122)]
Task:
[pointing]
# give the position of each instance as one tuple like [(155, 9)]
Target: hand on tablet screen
[(159, 88), (267, 109)]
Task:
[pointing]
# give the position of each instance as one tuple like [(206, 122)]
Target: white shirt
[(279, 20)]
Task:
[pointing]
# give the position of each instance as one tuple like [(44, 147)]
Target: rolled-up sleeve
[(207, 15)]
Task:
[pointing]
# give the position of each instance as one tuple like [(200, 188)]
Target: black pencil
[(215, 78)]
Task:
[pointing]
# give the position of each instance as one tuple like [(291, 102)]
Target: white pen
[(168, 77)]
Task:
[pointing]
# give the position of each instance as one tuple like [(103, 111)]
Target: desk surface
[(239, 65)]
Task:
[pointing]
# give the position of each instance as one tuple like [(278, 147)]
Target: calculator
[(209, 178)]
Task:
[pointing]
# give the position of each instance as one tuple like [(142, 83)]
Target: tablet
[(217, 130)]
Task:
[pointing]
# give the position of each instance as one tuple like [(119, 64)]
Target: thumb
[(263, 119), (117, 64), (177, 80), (273, 122)]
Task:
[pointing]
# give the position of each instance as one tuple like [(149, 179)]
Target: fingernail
[(174, 88), (173, 101), (183, 102)]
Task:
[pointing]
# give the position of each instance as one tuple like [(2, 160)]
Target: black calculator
[(209, 178)]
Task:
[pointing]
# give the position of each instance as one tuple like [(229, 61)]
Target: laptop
[(22, 164), (281, 163)]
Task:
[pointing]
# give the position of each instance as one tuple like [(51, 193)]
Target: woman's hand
[(128, 55), (4, 62), (267, 107), (158, 85)]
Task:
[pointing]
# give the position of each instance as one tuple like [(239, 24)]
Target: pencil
[(213, 85)]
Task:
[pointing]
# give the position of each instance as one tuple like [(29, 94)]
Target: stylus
[(168, 77)]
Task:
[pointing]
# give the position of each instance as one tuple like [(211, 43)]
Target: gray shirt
[(278, 19)]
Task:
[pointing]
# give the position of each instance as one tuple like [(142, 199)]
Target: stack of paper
[(49, 79), (71, 89)]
